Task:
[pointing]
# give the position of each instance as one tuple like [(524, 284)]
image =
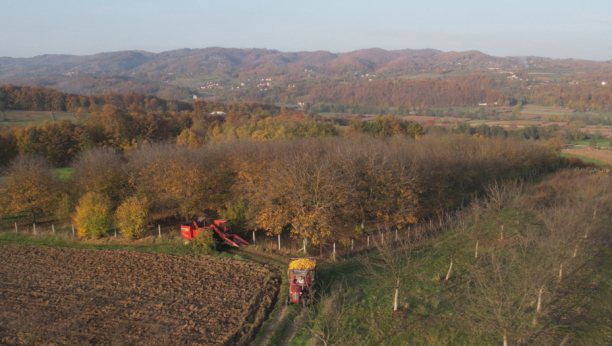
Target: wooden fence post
[(34, 228), (279, 246), (159, 230), (352, 245), (368, 242), (16, 229), (115, 232), (72, 229), (53, 228), (396, 234)]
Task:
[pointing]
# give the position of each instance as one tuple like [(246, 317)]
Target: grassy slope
[(431, 316)]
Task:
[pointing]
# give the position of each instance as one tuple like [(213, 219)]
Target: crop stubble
[(72, 296)]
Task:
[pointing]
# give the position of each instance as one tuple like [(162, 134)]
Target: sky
[(555, 29)]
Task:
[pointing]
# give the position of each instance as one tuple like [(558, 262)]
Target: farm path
[(272, 327), (297, 322)]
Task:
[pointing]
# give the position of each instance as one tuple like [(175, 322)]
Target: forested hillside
[(369, 77)]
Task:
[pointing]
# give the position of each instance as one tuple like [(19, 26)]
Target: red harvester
[(190, 230)]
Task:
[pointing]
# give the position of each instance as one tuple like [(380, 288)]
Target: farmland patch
[(75, 296)]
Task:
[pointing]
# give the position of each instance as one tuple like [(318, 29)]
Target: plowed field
[(61, 296)]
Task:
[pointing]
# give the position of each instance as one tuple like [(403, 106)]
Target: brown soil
[(71, 296)]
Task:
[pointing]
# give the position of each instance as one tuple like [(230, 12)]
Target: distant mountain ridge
[(255, 62), (169, 74)]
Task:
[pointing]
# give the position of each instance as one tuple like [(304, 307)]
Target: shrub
[(93, 216), (205, 241), (133, 217)]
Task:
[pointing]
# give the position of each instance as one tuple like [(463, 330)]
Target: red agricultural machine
[(190, 230), (301, 274)]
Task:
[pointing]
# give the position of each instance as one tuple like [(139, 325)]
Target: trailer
[(190, 230), (302, 277)]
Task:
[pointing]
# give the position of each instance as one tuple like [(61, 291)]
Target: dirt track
[(72, 296)]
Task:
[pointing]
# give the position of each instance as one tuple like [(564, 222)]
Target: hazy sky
[(560, 29)]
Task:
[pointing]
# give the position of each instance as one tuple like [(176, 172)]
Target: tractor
[(189, 230), (301, 274)]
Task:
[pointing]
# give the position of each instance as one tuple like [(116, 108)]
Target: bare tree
[(99, 170), (391, 263), (501, 291)]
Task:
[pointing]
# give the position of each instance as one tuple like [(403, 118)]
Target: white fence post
[(72, 229), (16, 229), (53, 228), (253, 237), (159, 230), (368, 242), (334, 251), (352, 245), (279, 245)]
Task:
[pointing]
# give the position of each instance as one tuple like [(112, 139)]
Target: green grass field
[(62, 173), (584, 158), (600, 142), (14, 117)]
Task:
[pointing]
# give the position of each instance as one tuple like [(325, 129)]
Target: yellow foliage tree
[(93, 216), (133, 217), (29, 188), (189, 138)]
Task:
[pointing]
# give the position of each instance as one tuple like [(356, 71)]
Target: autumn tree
[(29, 187), (133, 217), (185, 180), (516, 111), (189, 138), (8, 146), (304, 190), (99, 170), (65, 207), (93, 215)]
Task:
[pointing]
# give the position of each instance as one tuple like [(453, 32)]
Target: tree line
[(421, 93), (316, 189), (582, 97)]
